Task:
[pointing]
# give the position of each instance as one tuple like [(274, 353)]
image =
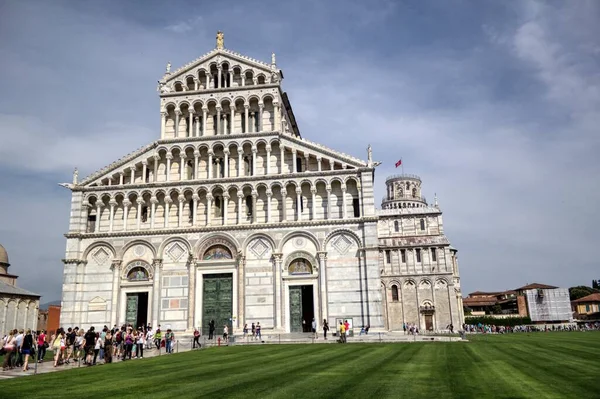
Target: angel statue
[(75, 176)]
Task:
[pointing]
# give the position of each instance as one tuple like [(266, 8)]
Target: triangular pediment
[(218, 57), (311, 147)]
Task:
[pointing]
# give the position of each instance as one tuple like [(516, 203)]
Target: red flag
[(399, 163)]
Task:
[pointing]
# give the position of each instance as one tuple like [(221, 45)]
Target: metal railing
[(403, 176)]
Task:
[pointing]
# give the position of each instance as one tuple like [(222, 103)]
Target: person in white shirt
[(141, 341), (225, 333), (149, 338)]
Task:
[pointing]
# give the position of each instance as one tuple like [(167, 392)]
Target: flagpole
[(402, 164)]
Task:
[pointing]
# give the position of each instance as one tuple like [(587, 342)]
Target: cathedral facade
[(232, 216)]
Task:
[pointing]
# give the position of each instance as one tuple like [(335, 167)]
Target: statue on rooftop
[(220, 40)]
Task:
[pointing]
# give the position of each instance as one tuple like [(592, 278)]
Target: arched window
[(401, 192), (396, 226), (217, 252), (395, 293), (414, 193), (249, 209), (422, 221), (300, 266)]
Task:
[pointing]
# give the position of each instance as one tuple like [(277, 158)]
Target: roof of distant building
[(595, 297), (536, 286), (12, 290)]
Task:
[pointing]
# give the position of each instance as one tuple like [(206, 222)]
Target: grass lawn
[(537, 365)]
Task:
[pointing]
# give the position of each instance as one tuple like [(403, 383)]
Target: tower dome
[(3, 255), (403, 191)]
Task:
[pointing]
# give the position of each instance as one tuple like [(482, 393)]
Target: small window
[(403, 255), (298, 164), (587, 308), (388, 256), (356, 207), (397, 226), (394, 293), (422, 224), (418, 252), (433, 255)]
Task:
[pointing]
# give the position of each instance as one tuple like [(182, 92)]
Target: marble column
[(209, 201), (269, 197), (328, 216), (177, 115), (322, 258), (99, 206), (140, 202), (225, 208), (277, 119), (218, 127), (168, 171), (278, 258), (182, 160), (191, 266), (181, 200), (254, 212), (116, 270), (281, 157), (232, 122), (294, 163), (344, 207), (112, 203), (298, 204), (195, 199), (168, 202), (204, 113), (254, 151), (132, 175), (126, 205), (319, 159), (313, 213), (156, 297), (210, 162), (191, 123), (260, 117), (226, 163), (240, 162), (240, 210), (196, 156), (153, 202), (155, 175), (197, 126), (246, 121), (121, 178), (144, 171), (268, 160), (163, 124)]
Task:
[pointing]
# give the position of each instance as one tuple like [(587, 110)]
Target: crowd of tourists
[(91, 347), (494, 329)]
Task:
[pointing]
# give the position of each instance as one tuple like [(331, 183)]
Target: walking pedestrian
[(325, 329)]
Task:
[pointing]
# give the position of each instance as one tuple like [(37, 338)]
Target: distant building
[(587, 308), (49, 319), (540, 302), (18, 307)]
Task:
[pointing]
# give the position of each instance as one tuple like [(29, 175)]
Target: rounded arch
[(131, 271), (301, 255), (223, 239), (238, 98), (253, 97), (275, 184), (268, 95), (137, 242), (90, 196), (334, 179), (311, 237), (99, 244), (409, 283), (179, 239), (342, 231), (352, 178), (169, 104), (258, 235)]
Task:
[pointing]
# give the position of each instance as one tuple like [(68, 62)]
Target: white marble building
[(419, 268), (231, 215), (18, 307)]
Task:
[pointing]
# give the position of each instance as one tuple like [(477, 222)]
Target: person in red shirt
[(347, 325), (41, 343)]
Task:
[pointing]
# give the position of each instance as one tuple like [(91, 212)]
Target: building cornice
[(213, 229), (221, 181), (211, 91)]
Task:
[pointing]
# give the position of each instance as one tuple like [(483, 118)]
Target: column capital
[(154, 200), (254, 194), (343, 187), (178, 112), (116, 264), (126, 203), (211, 152), (192, 111), (163, 114), (298, 191), (99, 204), (209, 197), (313, 191), (112, 202), (121, 173), (169, 156), (322, 255), (269, 193), (145, 162), (278, 257), (156, 157), (254, 150), (218, 108), (204, 109), (226, 151), (268, 147), (261, 105), (183, 156), (181, 198), (132, 168), (226, 196), (328, 189), (157, 263), (196, 197), (196, 153), (140, 201), (168, 200), (240, 195), (246, 106)]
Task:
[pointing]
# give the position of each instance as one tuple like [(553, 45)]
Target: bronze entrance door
[(301, 308), (428, 322), (217, 301), (136, 310), (296, 309)]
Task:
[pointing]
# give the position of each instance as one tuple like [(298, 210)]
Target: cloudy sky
[(495, 104)]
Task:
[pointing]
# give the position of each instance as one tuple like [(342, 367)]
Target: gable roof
[(536, 286), (229, 53), (12, 290), (595, 297)]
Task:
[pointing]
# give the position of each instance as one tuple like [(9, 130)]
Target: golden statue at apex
[(220, 40)]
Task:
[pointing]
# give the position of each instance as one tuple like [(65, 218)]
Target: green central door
[(296, 309), (217, 301), (131, 312)]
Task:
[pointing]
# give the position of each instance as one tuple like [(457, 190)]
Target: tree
[(580, 291)]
